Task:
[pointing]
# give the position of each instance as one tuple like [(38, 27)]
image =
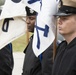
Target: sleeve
[(47, 61), (9, 46)]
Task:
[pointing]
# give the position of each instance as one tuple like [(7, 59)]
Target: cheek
[(33, 22), (68, 24), (64, 27), (71, 26)]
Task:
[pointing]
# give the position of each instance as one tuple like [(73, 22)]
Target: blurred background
[(2, 2)]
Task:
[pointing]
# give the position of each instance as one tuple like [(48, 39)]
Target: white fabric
[(35, 5), (16, 28), (12, 9), (45, 17)]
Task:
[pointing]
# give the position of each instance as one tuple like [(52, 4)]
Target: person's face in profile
[(67, 24), (30, 21)]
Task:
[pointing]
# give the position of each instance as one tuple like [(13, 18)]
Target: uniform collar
[(72, 43)]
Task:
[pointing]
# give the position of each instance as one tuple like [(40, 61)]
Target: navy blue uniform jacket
[(6, 60), (65, 61), (32, 64)]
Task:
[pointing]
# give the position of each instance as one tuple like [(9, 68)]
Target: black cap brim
[(66, 11), (62, 14)]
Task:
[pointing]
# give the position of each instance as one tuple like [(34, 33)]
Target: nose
[(59, 21), (27, 20)]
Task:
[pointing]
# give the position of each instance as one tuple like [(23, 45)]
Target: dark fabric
[(65, 61), (6, 61), (0, 11), (30, 12), (47, 61), (32, 65), (66, 11)]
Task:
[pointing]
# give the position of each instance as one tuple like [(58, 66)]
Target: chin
[(31, 31), (61, 33)]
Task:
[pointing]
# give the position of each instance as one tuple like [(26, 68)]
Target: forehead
[(68, 16), (31, 16)]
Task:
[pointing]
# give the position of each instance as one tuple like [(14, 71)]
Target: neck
[(69, 38)]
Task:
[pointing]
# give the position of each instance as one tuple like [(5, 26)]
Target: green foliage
[(2, 2), (20, 44)]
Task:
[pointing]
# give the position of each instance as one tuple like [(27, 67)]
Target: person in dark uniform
[(33, 65), (47, 61), (6, 59), (65, 60)]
